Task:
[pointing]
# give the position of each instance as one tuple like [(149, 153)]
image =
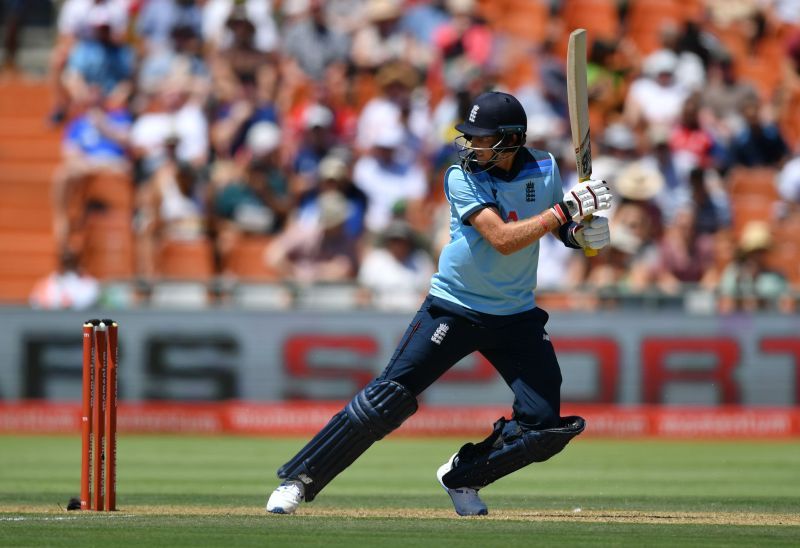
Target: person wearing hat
[(503, 199), (748, 283), (322, 251), (656, 97), (397, 273)]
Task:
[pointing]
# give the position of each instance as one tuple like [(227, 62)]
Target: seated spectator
[(316, 141), (789, 183), (310, 41), (96, 140), (322, 252), (685, 255), (692, 145), (253, 195), (173, 207), (181, 55), (710, 202), (382, 39), (656, 97), (99, 59), (173, 120), (67, 287), (724, 95), (760, 142), (748, 284), (396, 105), (74, 25), (398, 272), (334, 175), (387, 180), (158, 19), (217, 34)]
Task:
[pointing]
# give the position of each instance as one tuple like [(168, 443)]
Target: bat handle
[(588, 251)]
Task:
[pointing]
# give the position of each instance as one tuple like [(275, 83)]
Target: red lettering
[(512, 216), (359, 350), (606, 352), (791, 346), (657, 373)]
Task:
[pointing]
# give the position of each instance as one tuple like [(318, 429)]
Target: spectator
[(332, 175), (174, 207), (710, 202), (173, 122), (692, 145), (760, 142), (74, 24), (748, 284), (686, 256), (217, 34), (98, 59), (398, 272), (388, 180), (656, 97), (254, 196), (789, 183), (158, 20), (689, 70), (396, 105), (316, 141), (96, 140), (724, 95), (322, 252), (182, 55), (67, 287), (382, 39), (311, 42)]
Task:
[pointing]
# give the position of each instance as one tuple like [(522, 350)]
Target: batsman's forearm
[(520, 234)]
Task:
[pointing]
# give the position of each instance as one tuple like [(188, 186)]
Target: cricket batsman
[(503, 198)]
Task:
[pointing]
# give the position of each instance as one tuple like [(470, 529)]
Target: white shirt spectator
[(151, 131), (73, 17), (259, 12), (381, 112), (396, 285), (65, 290), (789, 181)]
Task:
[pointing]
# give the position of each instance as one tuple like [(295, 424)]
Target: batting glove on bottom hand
[(584, 199), (594, 234)]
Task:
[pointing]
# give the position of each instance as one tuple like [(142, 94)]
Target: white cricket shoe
[(286, 498), (465, 499)]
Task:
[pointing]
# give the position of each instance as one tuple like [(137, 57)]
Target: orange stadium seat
[(748, 208), (647, 17), (186, 260), (111, 188), (246, 260), (598, 17), (525, 20), (753, 182), (106, 246), (763, 73)]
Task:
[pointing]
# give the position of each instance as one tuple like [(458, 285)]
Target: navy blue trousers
[(518, 347)]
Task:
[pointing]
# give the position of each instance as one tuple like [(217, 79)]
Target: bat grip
[(588, 251)]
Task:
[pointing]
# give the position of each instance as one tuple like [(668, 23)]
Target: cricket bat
[(578, 103)]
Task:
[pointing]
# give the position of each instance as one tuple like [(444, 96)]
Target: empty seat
[(186, 260), (245, 260)]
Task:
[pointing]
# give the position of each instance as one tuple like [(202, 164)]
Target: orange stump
[(99, 416), (111, 417), (86, 413)]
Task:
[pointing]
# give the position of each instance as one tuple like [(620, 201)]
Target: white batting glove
[(583, 199), (593, 234)]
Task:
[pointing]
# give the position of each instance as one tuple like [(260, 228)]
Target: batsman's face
[(482, 146)]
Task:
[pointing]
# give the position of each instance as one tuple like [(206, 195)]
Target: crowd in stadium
[(324, 127)]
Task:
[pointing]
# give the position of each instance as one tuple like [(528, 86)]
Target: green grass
[(210, 491)]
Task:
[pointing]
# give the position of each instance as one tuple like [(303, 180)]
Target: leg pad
[(507, 449), (380, 408)]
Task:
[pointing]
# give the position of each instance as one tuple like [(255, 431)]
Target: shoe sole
[(440, 474)]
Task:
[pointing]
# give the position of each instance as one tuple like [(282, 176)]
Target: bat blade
[(578, 103)]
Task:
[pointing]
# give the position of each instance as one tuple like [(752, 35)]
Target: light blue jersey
[(471, 272)]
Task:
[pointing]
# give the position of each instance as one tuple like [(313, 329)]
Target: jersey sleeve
[(466, 194)]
